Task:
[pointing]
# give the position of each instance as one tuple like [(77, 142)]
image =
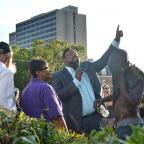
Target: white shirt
[(86, 91), (7, 92)]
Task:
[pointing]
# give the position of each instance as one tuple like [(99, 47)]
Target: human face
[(106, 90), (71, 59), (44, 73)]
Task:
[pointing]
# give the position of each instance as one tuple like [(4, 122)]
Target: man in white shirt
[(7, 91)]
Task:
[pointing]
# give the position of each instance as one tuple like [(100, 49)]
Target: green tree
[(22, 58)]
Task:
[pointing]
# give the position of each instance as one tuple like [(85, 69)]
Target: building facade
[(63, 24)]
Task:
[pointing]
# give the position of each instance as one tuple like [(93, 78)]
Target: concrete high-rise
[(63, 24)]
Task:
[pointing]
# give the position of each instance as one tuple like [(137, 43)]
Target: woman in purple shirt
[(39, 98)]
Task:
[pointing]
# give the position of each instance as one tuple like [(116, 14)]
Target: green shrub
[(20, 129)]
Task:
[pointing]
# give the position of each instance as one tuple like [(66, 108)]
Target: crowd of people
[(73, 101)]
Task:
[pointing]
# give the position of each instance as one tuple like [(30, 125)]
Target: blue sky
[(103, 16)]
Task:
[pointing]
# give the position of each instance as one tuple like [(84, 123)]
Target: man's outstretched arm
[(102, 62)]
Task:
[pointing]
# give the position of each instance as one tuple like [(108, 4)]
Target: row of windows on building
[(36, 19), (29, 45), (35, 29), (36, 24), (28, 40), (12, 38), (35, 34)]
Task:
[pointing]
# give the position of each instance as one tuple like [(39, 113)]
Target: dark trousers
[(91, 122)]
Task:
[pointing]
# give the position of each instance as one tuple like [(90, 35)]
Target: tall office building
[(63, 24)]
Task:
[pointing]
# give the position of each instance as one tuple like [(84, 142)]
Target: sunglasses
[(44, 68)]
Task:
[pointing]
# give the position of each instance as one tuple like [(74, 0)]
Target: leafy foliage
[(22, 58), (106, 136), (20, 129), (137, 136)]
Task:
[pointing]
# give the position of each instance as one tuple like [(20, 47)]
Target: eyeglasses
[(44, 68)]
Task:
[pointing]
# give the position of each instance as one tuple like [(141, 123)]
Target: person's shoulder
[(47, 88), (59, 72), (86, 64), (46, 85), (7, 72)]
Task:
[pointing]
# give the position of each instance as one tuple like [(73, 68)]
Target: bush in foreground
[(21, 129)]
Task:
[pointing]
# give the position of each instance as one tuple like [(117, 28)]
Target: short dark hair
[(65, 51), (36, 64), (4, 48)]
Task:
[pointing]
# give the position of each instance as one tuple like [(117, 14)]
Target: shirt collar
[(69, 68), (71, 71), (37, 80)]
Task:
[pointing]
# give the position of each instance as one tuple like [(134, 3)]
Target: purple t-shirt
[(40, 98)]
